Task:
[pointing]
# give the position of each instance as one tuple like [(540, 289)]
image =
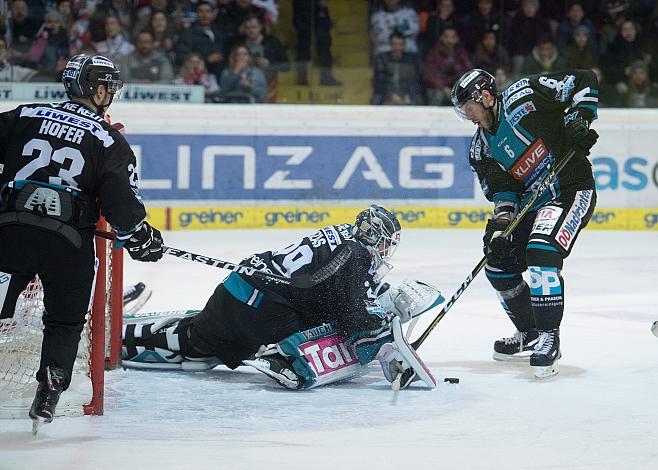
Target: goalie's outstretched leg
[(157, 345)]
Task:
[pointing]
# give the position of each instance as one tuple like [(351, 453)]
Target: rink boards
[(284, 166)]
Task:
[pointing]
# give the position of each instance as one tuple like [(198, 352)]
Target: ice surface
[(598, 413)]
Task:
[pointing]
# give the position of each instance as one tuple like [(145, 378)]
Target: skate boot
[(547, 352), (46, 398), (516, 348), (134, 298), (277, 367)]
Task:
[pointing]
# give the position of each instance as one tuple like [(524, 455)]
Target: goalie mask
[(379, 230)]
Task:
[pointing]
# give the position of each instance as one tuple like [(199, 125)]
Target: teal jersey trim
[(506, 196), (242, 290), (537, 246), (494, 275)]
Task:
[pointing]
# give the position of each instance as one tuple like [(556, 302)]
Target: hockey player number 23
[(295, 257), (65, 176)]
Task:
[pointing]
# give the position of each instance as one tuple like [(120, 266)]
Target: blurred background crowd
[(337, 51)]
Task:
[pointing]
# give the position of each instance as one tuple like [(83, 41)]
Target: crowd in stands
[(431, 43), (418, 47)]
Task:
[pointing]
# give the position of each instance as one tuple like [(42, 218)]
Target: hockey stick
[(303, 281), (543, 186)]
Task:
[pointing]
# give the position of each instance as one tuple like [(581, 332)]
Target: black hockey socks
[(514, 296)]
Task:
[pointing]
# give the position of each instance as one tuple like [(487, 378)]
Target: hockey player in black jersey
[(521, 132), (301, 337), (60, 166)]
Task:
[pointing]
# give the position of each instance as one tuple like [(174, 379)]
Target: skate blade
[(654, 328), (518, 357), (36, 425), (546, 372)]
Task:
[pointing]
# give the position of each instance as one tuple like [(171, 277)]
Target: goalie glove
[(400, 363), (409, 300)]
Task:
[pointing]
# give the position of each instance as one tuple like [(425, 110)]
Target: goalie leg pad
[(400, 359), (156, 346), (317, 356)]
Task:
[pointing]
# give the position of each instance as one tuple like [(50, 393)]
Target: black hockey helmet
[(469, 87), (378, 228), (84, 73)]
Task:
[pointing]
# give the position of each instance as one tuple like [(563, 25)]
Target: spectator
[(607, 95), (397, 75), (445, 63), (115, 46), (146, 65), (241, 81), (50, 50), (239, 11), (204, 38), (627, 48), (65, 9), (193, 72), (544, 58), (575, 19), (311, 17), (9, 72), (526, 29), (393, 18), (442, 17), (267, 52), (614, 12), (79, 34), (22, 31), (184, 14), (484, 20), (579, 52), (163, 32), (638, 91), (146, 14), (503, 79), (490, 56), (124, 11)]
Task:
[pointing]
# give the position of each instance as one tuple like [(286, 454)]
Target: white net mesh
[(20, 351)]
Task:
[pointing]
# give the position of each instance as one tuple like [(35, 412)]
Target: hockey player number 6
[(46, 155)]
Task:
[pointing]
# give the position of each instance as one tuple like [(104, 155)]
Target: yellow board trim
[(215, 218)]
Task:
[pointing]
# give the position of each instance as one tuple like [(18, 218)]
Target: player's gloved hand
[(578, 134), (145, 244), (499, 251)]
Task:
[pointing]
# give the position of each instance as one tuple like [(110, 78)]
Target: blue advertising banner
[(268, 167)]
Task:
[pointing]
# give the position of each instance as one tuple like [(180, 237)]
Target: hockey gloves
[(579, 136), (145, 244), (500, 252)]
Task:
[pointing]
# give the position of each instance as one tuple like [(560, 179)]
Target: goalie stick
[(543, 186), (303, 281)]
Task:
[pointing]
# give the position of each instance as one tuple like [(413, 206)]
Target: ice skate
[(46, 398), (278, 368), (654, 328), (544, 359), (134, 298), (516, 348)]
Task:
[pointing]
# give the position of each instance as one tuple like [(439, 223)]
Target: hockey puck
[(452, 380)]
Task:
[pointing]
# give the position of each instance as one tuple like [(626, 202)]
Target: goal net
[(99, 347)]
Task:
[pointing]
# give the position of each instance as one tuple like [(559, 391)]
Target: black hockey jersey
[(530, 136), (341, 298), (68, 145)]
